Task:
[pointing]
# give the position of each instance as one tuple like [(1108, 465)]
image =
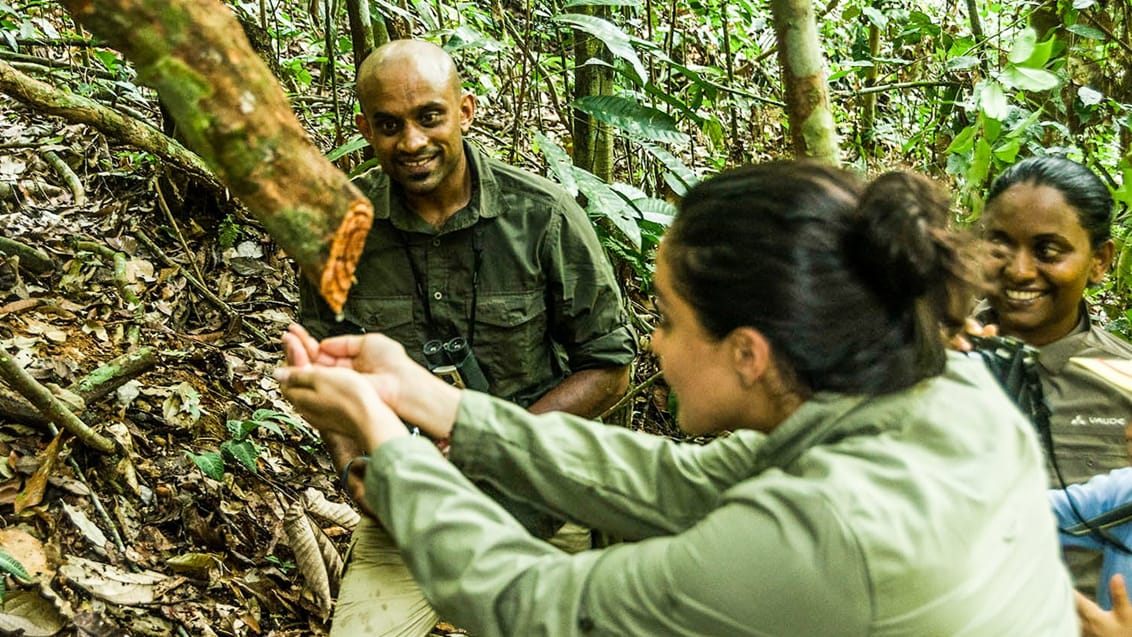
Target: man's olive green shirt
[(922, 513), (547, 303)]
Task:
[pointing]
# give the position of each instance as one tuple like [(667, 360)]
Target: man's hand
[(1097, 622)]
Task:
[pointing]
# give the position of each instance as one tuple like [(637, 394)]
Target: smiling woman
[(1048, 224)]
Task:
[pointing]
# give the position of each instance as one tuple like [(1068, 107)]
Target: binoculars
[(454, 362)]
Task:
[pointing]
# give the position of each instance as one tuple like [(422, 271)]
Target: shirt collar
[(484, 203), (1054, 356)]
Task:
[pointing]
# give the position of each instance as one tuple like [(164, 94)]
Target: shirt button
[(437, 295), (436, 243)]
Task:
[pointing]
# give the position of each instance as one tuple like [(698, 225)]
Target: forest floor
[(204, 518)]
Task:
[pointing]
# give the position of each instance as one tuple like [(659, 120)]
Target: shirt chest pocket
[(511, 338), (387, 314)]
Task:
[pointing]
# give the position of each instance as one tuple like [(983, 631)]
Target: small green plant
[(240, 448), (229, 231), (10, 566)]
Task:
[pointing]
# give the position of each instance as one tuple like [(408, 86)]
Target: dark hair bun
[(895, 240)]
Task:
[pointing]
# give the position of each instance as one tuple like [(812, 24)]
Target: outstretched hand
[(343, 402), (384, 360), (409, 390), (1098, 622)]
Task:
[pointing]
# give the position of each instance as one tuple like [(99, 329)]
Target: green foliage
[(228, 232), (630, 116), (10, 566), (240, 447)]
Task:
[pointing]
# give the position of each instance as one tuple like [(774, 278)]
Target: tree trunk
[(593, 140), (812, 130), (869, 100), (233, 113), (361, 30)]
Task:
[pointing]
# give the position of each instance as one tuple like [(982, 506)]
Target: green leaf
[(656, 210), (210, 463), (356, 143), (1028, 79), (873, 15), (12, 566), (678, 177), (1088, 96), (1040, 55), (980, 164), (602, 3), (993, 102), (603, 202), (962, 63), (559, 162), (616, 40), (1007, 152), (1023, 46), (632, 117), (239, 429), (1087, 32), (246, 453), (963, 142)]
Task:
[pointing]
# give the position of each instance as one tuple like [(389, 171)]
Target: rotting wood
[(232, 111)]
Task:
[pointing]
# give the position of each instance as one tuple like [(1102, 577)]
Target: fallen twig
[(120, 278), (110, 122), (68, 175), (31, 259), (89, 389), (52, 408)]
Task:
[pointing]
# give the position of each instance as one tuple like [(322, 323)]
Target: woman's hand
[(974, 328), (1098, 622), (411, 391), (341, 401)]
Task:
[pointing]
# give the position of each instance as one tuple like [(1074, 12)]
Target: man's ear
[(750, 354), (363, 126), (467, 111), (1102, 261)]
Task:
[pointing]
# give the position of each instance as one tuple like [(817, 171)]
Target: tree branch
[(51, 407), (76, 108)]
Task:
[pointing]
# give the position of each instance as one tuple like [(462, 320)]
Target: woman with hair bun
[(872, 484)]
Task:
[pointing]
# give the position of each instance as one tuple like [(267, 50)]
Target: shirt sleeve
[(620, 481), (726, 574), (1101, 496), (587, 317)]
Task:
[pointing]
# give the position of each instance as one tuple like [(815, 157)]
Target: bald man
[(464, 246)]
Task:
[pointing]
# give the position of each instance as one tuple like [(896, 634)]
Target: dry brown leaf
[(339, 513), (330, 556), (36, 485), (308, 556), (26, 550)]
